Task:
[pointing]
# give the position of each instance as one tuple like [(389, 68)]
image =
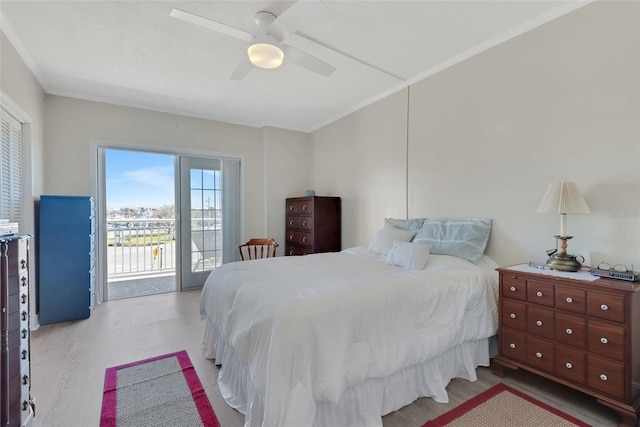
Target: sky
[(138, 179)]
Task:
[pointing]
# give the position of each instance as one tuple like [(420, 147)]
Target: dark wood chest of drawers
[(583, 334), (15, 375), (312, 225)]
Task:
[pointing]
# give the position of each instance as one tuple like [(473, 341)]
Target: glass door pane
[(200, 219), (206, 224)]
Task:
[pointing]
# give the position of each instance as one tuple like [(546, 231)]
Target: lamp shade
[(265, 55), (563, 198)]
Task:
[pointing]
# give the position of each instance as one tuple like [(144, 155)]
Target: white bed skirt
[(363, 404)]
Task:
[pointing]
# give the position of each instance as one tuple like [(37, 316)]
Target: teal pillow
[(462, 238), (406, 224)]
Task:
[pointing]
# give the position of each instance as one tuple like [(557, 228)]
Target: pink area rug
[(160, 391), (502, 405)]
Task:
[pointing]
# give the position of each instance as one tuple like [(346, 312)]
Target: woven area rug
[(503, 406), (161, 391)]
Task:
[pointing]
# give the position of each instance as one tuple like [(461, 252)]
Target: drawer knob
[(24, 315), (512, 345), (512, 315), (291, 237), (604, 307), (603, 340), (291, 252), (568, 365), (23, 264), (24, 333), (24, 281), (569, 300), (290, 207), (538, 294), (304, 239), (539, 355), (539, 322), (24, 354), (603, 377), (304, 207), (304, 223), (569, 331), (512, 289), (25, 379), (291, 222), (24, 298)]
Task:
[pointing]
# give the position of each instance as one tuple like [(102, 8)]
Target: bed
[(344, 338)]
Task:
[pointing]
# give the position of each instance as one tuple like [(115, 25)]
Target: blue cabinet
[(66, 250)]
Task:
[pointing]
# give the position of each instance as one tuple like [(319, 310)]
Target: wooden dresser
[(15, 382), (312, 225), (583, 334)]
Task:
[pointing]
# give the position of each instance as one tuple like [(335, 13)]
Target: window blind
[(11, 169)]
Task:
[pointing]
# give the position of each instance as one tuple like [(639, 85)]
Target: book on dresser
[(313, 225), (16, 404), (573, 328)]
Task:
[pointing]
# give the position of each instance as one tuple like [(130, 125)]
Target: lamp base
[(563, 262)]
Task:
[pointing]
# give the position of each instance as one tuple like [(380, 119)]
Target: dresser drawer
[(514, 287), (303, 222), (606, 376), (300, 237), (540, 354), (297, 250), (540, 293), (571, 299), (299, 206), (514, 314), (606, 306), (571, 330), (513, 344), (606, 339), (540, 321), (570, 364)]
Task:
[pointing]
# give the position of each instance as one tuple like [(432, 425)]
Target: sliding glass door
[(147, 239)]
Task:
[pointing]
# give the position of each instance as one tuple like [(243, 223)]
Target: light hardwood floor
[(69, 361)]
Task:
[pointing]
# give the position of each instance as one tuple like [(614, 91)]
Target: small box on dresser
[(313, 225), (582, 333), (16, 406)]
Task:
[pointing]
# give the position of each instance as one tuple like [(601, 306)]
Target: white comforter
[(310, 327)]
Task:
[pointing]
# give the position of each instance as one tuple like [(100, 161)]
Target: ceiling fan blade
[(308, 61), (210, 24), (242, 69), (293, 18)]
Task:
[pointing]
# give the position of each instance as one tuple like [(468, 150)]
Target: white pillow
[(383, 240), (412, 256)]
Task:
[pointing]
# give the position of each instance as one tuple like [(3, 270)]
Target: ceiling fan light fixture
[(265, 55)]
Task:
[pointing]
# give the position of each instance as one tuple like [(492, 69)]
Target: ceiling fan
[(268, 46)]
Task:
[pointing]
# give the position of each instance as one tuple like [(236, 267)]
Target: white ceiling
[(133, 53)]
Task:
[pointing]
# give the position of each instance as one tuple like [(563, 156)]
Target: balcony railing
[(140, 246)]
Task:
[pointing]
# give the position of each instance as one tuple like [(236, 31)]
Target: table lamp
[(563, 198)]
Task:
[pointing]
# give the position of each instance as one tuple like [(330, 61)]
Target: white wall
[(362, 158), (21, 89), (287, 160), (72, 124), (560, 103)]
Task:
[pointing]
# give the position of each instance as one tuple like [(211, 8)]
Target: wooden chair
[(258, 248)]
